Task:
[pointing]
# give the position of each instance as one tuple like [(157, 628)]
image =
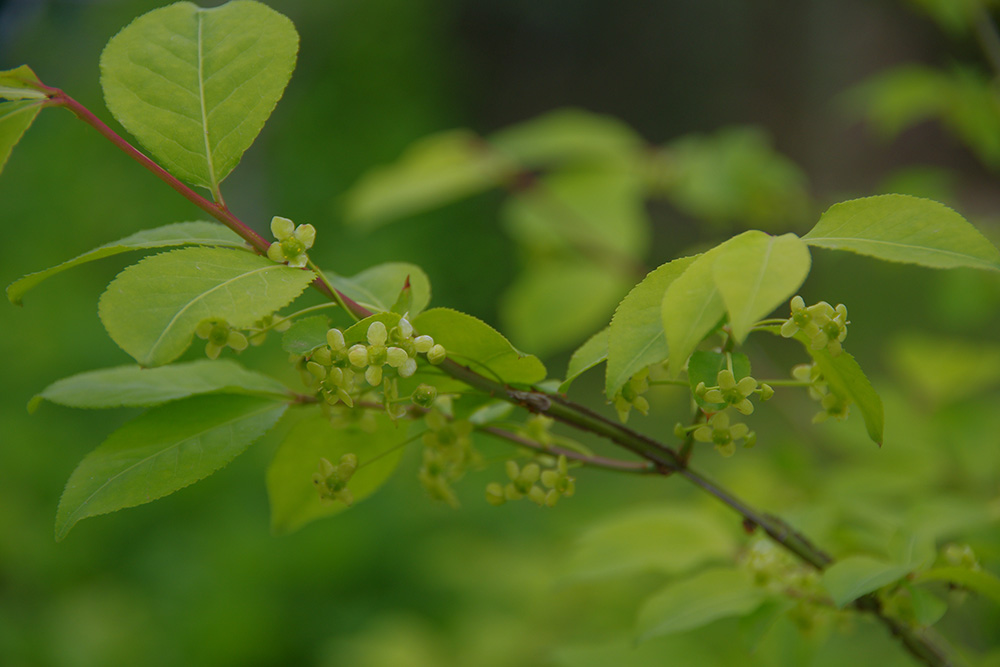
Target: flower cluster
[(824, 325), (292, 243), (630, 396), (397, 348), (331, 480), (833, 404), (720, 433), (258, 332), (542, 487), (730, 392), (220, 335), (448, 453)]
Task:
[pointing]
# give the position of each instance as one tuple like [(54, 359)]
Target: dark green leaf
[(985, 583), (704, 366), (588, 355), (165, 449), (306, 334), (854, 576)]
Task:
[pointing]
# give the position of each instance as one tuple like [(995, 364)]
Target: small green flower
[(220, 336), (630, 395), (292, 242), (331, 480), (729, 391), (719, 433), (799, 320)]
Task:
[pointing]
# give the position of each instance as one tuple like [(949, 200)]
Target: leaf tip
[(33, 404)]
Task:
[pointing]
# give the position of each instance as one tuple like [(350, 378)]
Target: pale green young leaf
[(15, 119), (901, 228), (704, 366), (636, 337), (755, 273), (435, 171), (378, 287), (164, 449), (597, 210), (473, 343), (588, 355), (567, 135), (854, 576), (553, 301), (306, 334), (177, 234), (646, 540), (944, 369), (982, 582), (698, 600), (20, 83), (847, 380), (134, 386), (152, 308), (195, 86), (294, 498)]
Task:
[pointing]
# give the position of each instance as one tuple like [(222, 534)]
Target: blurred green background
[(197, 579)]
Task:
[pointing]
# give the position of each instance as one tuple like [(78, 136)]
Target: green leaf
[(294, 498), (177, 234), (436, 170), (651, 539), (597, 210), (15, 119), (756, 273), (306, 335), (847, 380), (588, 355), (691, 308), (854, 576), (379, 287), (195, 86), (985, 583), (553, 301), (900, 228), (943, 369), (134, 386), (20, 83), (473, 343), (165, 449), (567, 135), (704, 366), (927, 607), (697, 601), (635, 337), (152, 308)]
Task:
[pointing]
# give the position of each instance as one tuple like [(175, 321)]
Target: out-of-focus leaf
[(195, 86), (436, 170), (900, 228), (472, 342), (945, 370), (588, 355), (854, 576), (985, 583), (552, 302), (697, 601), (152, 308), (757, 272), (658, 539), (377, 288), (177, 234), (306, 334), (134, 386), (165, 449), (636, 337), (847, 380), (567, 135), (596, 210), (927, 607), (295, 500)]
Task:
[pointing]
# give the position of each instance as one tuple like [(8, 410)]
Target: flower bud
[(423, 344), (424, 395), (437, 354)]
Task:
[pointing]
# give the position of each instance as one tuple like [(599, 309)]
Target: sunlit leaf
[(295, 500), (473, 343), (135, 386), (177, 234), (165, 449), (636, 337), (378, 287), (588, 355), (15, 119), (195, 86), (552, 302), (845, 378), (900, 228), (698, 600), (854, 576), (20, 83), (152, 308), (436, 170), (755, 273)]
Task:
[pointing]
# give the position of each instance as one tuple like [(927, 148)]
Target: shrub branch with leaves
[(393, 374)]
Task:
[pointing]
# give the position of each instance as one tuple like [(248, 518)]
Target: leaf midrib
[(204, 114), (812, 240)]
